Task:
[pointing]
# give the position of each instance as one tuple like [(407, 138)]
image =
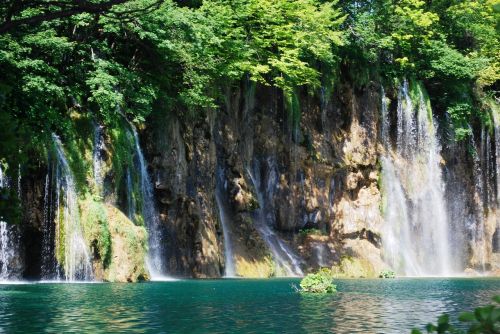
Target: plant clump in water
[(320, 282), (387, 273)]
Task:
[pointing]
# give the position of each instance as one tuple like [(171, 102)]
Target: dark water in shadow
[(237, 306)]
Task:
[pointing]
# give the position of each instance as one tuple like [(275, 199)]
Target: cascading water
[(69, 235), (8, 242), (150, 214), (416, 236), (320, 251), (49, 268), (131, 207), (97, 158), (283, 256), (228, 249), (496, 122)]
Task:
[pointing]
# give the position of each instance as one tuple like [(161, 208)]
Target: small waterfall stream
[(69, 234), (282, 254), (150, 213), (97, 158), (49, 268), (230, 270), (416, 236)]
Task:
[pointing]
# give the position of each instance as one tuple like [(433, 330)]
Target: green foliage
[(309, 231), (320, 282), (387, 273), (180, 56), (484, 320), (96, 229)]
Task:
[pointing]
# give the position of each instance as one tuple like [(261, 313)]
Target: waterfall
[(416, 236), (496, 122), (283, 256), (228, 249), (320, 250), (97, 158), (150, 213), (477, 228), (9, 246), (131, 208), (71, 244), (49, 268)]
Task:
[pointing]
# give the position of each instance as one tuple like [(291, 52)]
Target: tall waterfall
[(49, 267), (416, 236), (228, 247), (9, 242), (282, 254), (150, 213), (71, 244), (5, 243), (496, 122)]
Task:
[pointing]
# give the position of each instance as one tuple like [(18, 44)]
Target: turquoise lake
[(236, 306)]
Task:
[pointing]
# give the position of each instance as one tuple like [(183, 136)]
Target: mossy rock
[(118, 246), (128, 249), (261, 268)]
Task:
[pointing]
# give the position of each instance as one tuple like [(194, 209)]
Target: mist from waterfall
[(285, 259), (416, 236), (69, 233)]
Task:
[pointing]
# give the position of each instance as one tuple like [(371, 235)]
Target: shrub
[(484, 320), (309, 231), (320, 282), (387, 274)]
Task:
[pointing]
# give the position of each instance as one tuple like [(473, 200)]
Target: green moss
[(122, 152), (96, 229), (129, 248), (292, 106), (121, 148), (78, 144)]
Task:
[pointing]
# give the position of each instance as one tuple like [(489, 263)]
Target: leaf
[(466, 317)]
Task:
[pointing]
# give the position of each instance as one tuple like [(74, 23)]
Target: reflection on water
[(242, 306)]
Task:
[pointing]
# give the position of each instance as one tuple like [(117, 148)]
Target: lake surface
[(237, 306)]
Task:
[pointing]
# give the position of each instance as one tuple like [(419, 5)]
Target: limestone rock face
[(361, 212), (128, 249), (320, 174), (313, 180), (183, 169)]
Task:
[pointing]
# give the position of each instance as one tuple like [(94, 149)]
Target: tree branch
[(81, 6)]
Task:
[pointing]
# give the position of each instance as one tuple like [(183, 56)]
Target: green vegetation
[(66, 62), (309, 231), (484, 320), (96, 229), (387, 274), (320, 282)]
